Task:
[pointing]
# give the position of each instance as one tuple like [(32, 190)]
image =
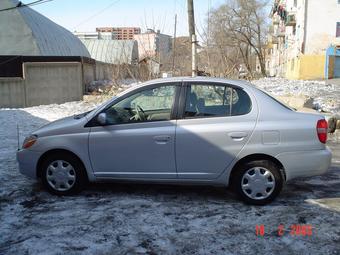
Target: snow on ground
[(155, 219), (326, 96)]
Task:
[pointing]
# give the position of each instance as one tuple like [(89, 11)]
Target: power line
[(20, 5), (41, 2), (97, 13)]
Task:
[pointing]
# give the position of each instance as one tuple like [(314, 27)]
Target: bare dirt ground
[(156, 219)]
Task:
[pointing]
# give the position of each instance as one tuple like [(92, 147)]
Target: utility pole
[(192, 34), (174, 46)]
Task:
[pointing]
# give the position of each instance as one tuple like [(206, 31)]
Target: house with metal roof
[(24, 31), (40, 61), (115, 52)]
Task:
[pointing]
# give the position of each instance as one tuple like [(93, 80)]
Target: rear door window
[(207, 100)]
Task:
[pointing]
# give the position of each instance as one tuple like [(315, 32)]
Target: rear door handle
[(162, 139), (238, 136)]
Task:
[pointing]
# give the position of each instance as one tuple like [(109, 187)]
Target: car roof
[(240, 83)]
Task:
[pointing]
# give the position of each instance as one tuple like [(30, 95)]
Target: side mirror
[(102, 118)]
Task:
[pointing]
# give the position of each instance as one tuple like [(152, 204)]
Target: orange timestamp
[(293, 230)]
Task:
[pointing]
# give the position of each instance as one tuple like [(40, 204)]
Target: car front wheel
[(258, 182), (63, 174)]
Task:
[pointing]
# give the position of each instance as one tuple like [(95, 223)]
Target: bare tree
[(182, 65), (238, 31)]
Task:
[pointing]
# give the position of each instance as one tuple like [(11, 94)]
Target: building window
[(11, 67), (295, 3), (338, 29)]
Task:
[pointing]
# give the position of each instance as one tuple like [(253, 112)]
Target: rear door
[(215, 124)]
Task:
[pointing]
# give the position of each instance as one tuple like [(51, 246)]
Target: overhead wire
[(96, 14), (20, 5)]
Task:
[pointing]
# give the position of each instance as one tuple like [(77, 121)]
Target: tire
[(63, 174), (258, 182)]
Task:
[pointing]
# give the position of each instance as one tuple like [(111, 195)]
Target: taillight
[(321, 128)]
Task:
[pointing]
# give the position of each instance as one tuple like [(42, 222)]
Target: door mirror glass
[(102, 120)]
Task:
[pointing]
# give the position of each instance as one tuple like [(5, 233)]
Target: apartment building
[(302, 31), (153, 44), (118, 33), (110, 33)]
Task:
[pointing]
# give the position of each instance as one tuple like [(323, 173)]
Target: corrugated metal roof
[(41, 36), (113, 51)]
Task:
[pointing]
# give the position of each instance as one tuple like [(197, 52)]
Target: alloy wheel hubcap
[(60, 175), (258, 183)]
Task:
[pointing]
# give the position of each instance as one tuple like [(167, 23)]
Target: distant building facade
[(301, 33), (153, 45), (110, 33), (86, 35), (118, 33)]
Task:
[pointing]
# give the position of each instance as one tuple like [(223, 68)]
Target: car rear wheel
[(63, 174), (258, 182)]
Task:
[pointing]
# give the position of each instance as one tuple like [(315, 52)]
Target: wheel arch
[(254, 157), (55, 151)]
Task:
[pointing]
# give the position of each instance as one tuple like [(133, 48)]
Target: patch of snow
[(325, 96)]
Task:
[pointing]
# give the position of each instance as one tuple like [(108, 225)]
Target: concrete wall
[(322, 17), (43, 83), (57, 82), (306, 67), (49, 83), (12, 92), (312, 67), (89, 73)]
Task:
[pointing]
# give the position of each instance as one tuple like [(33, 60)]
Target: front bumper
[(28, 161), (305, 163)]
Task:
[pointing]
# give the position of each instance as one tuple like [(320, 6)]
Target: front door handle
[(237, 136), (162, 139)]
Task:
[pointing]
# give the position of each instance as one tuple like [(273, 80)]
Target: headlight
[(29, 141)]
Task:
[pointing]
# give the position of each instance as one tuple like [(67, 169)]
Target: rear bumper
[(28, 161), (305, 163)]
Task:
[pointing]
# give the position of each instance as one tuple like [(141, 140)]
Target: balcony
[(272, 39), (281, 31), (291, 20), (276, 19), (281, 34)]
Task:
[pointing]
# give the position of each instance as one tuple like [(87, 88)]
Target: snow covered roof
[(113, 51), (24, 31)]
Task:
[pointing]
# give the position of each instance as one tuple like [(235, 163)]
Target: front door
[(216, 124), (139, 138)]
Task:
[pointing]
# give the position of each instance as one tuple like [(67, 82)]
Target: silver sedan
[(181, 130)]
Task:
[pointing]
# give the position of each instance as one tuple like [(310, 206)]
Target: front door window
[(144, 106)]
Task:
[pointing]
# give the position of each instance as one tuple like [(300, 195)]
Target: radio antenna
[(18, 137)]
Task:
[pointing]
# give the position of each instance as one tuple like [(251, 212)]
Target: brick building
[(118, 33)]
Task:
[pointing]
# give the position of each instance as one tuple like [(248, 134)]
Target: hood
[(66, 125)]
